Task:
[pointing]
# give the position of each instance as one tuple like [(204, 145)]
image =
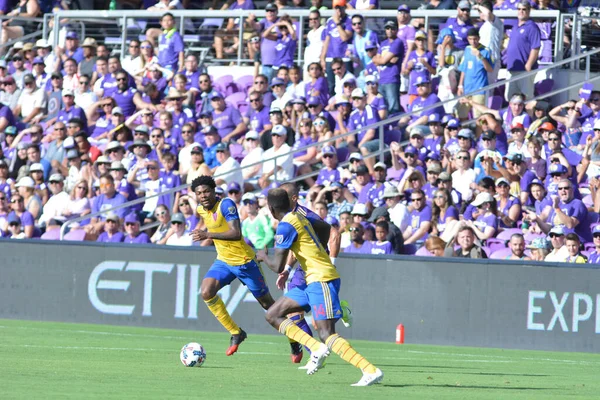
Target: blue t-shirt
[(475, 74)]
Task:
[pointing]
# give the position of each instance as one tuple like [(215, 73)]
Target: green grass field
[(76, 361)]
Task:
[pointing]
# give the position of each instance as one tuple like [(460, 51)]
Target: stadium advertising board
[(453, 302)]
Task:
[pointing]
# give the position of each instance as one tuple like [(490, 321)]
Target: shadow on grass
[(420, 366), (465, 387), (483, 373)]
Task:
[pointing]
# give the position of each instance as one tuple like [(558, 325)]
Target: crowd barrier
[(482, 303)]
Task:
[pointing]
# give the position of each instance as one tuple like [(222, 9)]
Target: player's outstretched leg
[(296, 348), (318, 351), (341, 347), (238, 335)]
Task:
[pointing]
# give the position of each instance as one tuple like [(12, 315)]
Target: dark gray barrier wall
[(485, 303)]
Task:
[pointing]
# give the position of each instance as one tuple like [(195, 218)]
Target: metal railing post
[(559, 37), (240, 40), (45, 26), (275, 170), (575, 44), (181, 26), (381, 144), (124, 37), (56, 30), (300, 36), (587, 67)]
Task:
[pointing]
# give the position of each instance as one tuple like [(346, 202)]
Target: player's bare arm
[(276, 263)]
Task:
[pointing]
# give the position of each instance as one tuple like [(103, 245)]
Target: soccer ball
[(192, 355)]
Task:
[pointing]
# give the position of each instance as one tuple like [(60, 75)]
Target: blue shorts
[(249, 274), (320, 297), (298, 280)]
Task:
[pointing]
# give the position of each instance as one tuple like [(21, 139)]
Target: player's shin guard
[(289, 329), (302, 324), (342, 348), (217, 307)]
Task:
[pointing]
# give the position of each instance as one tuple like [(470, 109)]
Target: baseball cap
[(68, 92), (277, 81), (416, 131), (349, 81), (72, 35), (341, 99), (465, 133), (215, 95), (178, 217), (72, 154), (444, 177), (391, 24), (274, 109), (596, 229), (435, 168), (271, 7), (43, 43), (234, 187), (464, 4), (452, 123), (539, 243), (489, 134), (420, 35), (403, 7), (434, 118), (596, 124), (117, 166), (358, 92), (251, 135), (299, 100), (536, 181), (410, 150), (28, 78), (56, 178), (370, 46), (112, 146), (26, 182), (482, 198), (210, 130), (251, 197), (500, 181), (557, 230), (131, 219), (221, 147), (313, 101), (119, 111), (517, 158), (355, 156), (432, 155), (346, 209), (380, 165), (371, 79), (390, 191), (10, 130), (13, 219), (278, 130), (197, 149), (362, 170), (3, 64), (421, 79), (517, 125), (358, 209), (112, 216), (378, 213), (328, 150), (38, 60), (36, 167), (557, 169)]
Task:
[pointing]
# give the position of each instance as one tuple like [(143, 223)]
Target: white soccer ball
[(192, 355)]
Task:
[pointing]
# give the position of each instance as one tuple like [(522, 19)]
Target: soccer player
[(235, 259), (295, 233)]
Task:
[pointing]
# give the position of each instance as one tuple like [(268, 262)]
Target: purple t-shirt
[(169, 49), (115, 238), (103, 202), (337, 47), (485, 220), (182, 118), (258, 119), (460, 31), (360, 120), (6, 112), (390, 72), (594, 257), (451, 212), (420, 103), (302, 142), (576, 209), (319, 86), (433, 144), (125, 101), (504, 210), (190, 223), (381, 248), (364, 249), (375, 195), (378, 103), (540, 205), (103, 124), (192, 79), (419, 68), (75, 112), (419, 217), (328, 176), (226, 121), (284, 51), (160, 83), (267, 46), (406, 33), (523, 39), (141, 238), (26, 218)]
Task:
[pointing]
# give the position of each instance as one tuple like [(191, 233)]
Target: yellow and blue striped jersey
[(295, 233), (232, 252)]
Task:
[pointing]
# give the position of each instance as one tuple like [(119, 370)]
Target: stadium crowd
[(84, 130)]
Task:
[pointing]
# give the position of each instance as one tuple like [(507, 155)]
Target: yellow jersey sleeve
[(232, 252), (295, 233)]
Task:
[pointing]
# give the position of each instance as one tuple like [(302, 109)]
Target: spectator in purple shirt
[(317, 86), (420, 218), (226, 119), (132, 228), (267, 46), (27, 220), (426, 98), (337, 35), (285, 41), (381, 245), (361, 119), (389, 59), (358, 245), (171, 49), (461, 24), (111, 233), (257, 118), (485, 225), (594, 257), (108, 199), (522, 51)]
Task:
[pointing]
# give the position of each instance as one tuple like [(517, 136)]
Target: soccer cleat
[(317, 360), (370, 379), (235, 342), (346, 314), (297, 352)]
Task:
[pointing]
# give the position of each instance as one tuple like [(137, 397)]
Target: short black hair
[(487, 182), (108, 177), (573, 236), (384, 225), (278, 200), (76, 121), (291, 188), (473, 32), (203, 180), (167, 15)]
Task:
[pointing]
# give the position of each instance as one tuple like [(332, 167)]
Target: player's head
[(204, 189), (279, 203), (292, 191)]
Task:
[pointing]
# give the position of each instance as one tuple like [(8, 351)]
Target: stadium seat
[(423, 252), (590, 246), (495, 102), (409, 249), (530, 237), (404, 101), (507, 233), (588, 201), (235, 99), (75, 235), (224, 85), (544, 86), (501, 254), (586, 253), (244, 83), (237, 151)]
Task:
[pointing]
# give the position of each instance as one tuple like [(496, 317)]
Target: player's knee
[(207, 292), (271, 316)]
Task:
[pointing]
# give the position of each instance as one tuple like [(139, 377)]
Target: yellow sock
[(217, 307), (342, 348), (289, 329)]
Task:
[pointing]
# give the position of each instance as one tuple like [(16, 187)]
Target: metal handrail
[(379, 125)]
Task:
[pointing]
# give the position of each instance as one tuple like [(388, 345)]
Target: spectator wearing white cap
[(374, 98), (54, 210), (176, 235), (509, 206), (397, 210), (254, 155), (559, 251), (281, 169), (485, 225), (36, 172), (418, 62), (256, 227), (32, 103), (26, 188)]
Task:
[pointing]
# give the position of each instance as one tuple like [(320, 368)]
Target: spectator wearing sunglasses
[(338, 35), (420, 218), (111, 233), (176, 235), (163, 217), (9, 97), (358, 244), (31, 107), (132, 230)]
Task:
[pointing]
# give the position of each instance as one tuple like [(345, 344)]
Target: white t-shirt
[(462, 183), (151, 188), (185, 157), (29, 101), (491, 35), (183, 240), (84, 100), (400, 216), (286, 162), (253, 157), (312, 52), (558, 256), (229, 172), (55, 207)]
